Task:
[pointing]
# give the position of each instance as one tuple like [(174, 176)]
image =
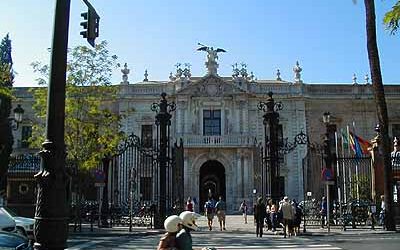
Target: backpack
[(209, 207)]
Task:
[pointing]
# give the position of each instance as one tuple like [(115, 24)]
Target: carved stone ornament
[(213, 90)]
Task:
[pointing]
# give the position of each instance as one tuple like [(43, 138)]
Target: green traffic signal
[(85, 25)]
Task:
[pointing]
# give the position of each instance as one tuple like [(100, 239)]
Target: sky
[(327, 37)]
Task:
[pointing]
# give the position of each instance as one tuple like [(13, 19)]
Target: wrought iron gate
[(134, 186), (351, 194)]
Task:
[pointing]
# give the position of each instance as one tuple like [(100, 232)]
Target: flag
[(345, 138), (359, 145)]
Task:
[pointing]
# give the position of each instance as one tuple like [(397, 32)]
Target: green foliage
[(6, 82), (391, 18), (92, 129)]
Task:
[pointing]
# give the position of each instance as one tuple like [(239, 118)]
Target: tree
[(6, 83), (92, 128), (381, 108), (391, 19)]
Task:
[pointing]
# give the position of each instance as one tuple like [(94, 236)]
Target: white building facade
[(218, 119)]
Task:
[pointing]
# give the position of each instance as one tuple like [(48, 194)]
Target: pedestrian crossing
[(281, 247)]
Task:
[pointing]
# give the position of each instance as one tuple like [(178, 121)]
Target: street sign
[(99, 184), (330, 183), (327, 174)]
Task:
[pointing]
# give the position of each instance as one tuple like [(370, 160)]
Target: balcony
[(213, 141)]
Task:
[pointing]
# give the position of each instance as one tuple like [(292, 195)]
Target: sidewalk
[(234, 224)]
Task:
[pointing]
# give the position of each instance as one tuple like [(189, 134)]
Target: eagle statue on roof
[(212, 57)]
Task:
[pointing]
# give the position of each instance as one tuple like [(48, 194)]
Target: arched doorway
[(212, 180)]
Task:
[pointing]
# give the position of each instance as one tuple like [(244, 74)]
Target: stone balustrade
[(207, 141)]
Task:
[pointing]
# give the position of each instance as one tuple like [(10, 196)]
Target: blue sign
[(99, 175), (327, 174)]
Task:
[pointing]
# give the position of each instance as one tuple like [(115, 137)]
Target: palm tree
[(381, 108)]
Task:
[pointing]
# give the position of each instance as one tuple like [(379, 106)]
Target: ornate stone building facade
[(220, 125)]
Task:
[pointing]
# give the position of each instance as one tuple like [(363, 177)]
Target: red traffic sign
[(327, 174)]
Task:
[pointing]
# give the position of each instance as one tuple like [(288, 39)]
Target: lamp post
[(51, 215), (271, 122), (18, 113), (328, 164), (163, 120)]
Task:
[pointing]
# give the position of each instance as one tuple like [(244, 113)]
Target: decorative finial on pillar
[(186, 71), (366, 79), (252, 76), (235, 71), (145, 76), (125, 71), (278, 75), (354, 79), (179, 71), (171, 77), (243, 70), (297, 70)]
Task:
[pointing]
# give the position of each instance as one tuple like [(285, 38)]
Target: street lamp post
[(51, 215), (18, 113), (271, 122), (163, 120), (328, 164)]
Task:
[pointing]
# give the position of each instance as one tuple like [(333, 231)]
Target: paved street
[(239, 236)]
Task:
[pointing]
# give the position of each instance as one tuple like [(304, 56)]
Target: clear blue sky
[(326, 36)]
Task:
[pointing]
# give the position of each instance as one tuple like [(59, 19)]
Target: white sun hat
[(171, 223), (189, 219)]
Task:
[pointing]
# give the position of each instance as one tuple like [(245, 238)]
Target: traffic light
[(90, 25)]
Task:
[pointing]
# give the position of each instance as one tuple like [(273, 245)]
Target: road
[(242, 236), (244, 240)]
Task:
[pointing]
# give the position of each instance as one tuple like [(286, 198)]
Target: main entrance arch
[(212, 180)]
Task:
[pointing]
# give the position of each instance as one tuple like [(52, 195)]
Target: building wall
[(242, 123)]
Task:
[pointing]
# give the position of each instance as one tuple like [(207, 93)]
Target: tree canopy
[(6, 83), (92, 127), (391, 19)]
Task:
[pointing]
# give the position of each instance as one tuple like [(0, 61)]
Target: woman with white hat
[(172, 225)]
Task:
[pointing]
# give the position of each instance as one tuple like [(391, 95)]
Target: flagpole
[(357, 179), (344, 168), (338, 182), (349, 168)]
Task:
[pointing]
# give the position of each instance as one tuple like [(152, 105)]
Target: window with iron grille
[(211, 122), (25, 136), (147, 136)]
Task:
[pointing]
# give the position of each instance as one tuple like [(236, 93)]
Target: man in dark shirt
[(259, 216), (220, 208)]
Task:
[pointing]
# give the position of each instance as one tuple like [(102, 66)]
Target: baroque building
[(218, 119)]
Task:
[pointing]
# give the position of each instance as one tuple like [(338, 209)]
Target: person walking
[(272, 214), (323, 211), (243, 208), (382, 213), (288, 215), (259, 216), (209, 209), (189, 204), (220, 207)]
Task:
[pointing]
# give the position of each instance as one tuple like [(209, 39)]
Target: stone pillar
[(238, 174)]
